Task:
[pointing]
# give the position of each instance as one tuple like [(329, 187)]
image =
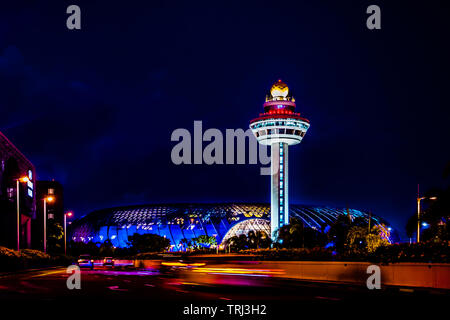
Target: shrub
[(425, 252), (317, 253), (416, 252), (11, 260)]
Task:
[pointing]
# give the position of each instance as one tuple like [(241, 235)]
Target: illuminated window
[(30, 185), (10, 192)]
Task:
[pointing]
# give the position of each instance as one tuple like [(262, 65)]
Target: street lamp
[(418, 213), (23, 179), (67, 214), (48, 199)]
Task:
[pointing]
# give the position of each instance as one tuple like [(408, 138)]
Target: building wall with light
[(186, 221), (14, 165)]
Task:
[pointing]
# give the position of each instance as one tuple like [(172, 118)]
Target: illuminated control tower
[(279, 126)]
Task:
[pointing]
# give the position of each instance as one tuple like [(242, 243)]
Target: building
[(279, 127), (186, 221), (55, 209), (17, 181)]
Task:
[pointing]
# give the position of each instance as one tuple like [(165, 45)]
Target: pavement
[(172, 290)]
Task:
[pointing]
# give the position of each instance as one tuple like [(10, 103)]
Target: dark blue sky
[(95, 108)]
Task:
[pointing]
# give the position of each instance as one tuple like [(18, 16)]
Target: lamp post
[(23, 179), (46, 199), (418, 213), (67, 214)]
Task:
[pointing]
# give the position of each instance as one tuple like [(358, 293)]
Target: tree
[(107, 248), (77, 248), (436, 215), (251, 240), (356, 239), (205, 241), (55, 235), (361, 241), (186, 243), (237, 243), (375, 239), (258, 239), (296, 235), (148, 242), (337, 234)]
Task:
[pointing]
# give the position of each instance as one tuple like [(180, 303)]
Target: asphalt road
[(109, 288)]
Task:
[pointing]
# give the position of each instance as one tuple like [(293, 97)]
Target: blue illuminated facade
[(186, 221)]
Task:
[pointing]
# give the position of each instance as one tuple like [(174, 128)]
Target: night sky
[(95, 108)]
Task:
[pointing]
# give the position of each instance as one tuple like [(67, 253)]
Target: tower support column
[(279, 187)]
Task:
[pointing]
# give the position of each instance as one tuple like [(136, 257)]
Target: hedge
[(11, 260)]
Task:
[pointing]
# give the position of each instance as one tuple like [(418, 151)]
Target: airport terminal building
[(186, 221)]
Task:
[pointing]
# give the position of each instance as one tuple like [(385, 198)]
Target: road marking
[(327, 298), (116, 288), (46, 274), (182, 291), (32, 286), (25, 272)]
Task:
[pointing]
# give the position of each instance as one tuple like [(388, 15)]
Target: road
[(174, 291)]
